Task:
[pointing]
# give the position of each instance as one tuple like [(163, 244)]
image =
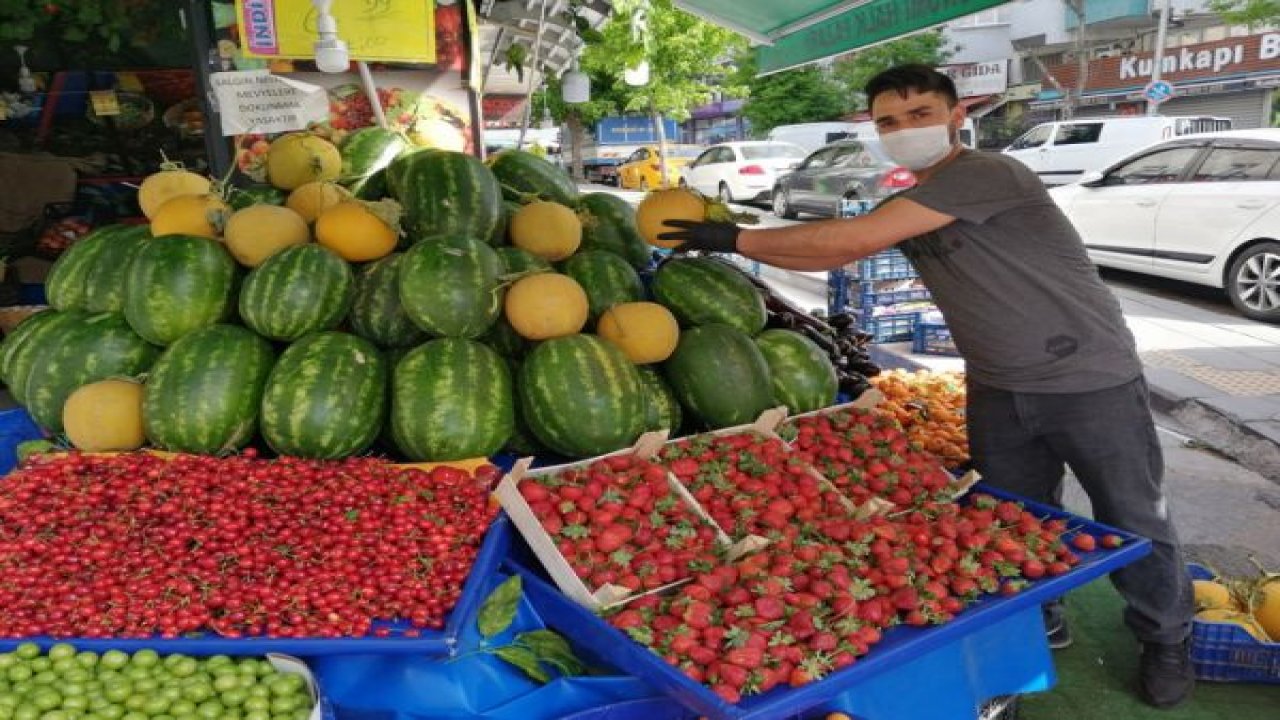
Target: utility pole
[(1157, 60), (1082, 59)]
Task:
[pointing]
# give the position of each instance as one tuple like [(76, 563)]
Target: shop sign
[(255, 101), (1020, 93), (1255, 54), (983, 78), (375, 30)]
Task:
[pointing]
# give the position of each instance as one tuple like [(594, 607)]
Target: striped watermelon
[(516, 261), (505, 340), (499, 236), (611, 226), (522, 173), (662, 410), (244, 197), (298, 290), (702, 291), (376, 312), (95, 348), (451, 399), (720, 376), (445, 193), (801, 374), (49, 333), (177, 285), (580, 396), (365, 153), (326, 397), (450, 286), (606, 278), (204, 392), (15, 341), (68, 286), (106, 281)]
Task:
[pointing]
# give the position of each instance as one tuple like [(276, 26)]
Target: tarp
[(797, 32)]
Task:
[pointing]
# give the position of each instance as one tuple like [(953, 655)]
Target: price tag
[(105, 102)]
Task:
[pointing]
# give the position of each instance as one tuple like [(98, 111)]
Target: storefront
[(1233, 78)]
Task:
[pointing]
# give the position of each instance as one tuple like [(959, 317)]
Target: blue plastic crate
[(1223, 652), (1007, 632), (932, 339), (888, 264), (897, 327), (893, 297), (16, 427), (436, 643)]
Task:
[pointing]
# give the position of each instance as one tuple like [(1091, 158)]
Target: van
[(812, 136), (1060, 152)]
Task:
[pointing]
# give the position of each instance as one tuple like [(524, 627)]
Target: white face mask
[(918, 148)]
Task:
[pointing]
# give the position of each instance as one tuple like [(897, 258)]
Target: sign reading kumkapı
[(1214, 60)]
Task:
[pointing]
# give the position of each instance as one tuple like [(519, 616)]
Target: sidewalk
[(1215, 372)]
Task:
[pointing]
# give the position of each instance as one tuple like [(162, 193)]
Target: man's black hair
[(920, 78)]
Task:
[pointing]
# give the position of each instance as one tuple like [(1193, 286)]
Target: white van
[(1060, 152), (812, 136)]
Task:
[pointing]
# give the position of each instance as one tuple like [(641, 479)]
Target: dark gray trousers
[(1021, 442)]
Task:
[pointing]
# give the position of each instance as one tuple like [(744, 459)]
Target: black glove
[(709, 236)]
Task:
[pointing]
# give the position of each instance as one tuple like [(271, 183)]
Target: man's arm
[(835, 243)]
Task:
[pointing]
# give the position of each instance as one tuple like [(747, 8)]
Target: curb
[(1221, 432)]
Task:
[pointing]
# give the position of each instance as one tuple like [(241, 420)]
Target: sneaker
[(1165, 676), (1055, 625)]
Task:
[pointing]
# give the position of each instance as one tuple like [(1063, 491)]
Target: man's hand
[(709, 236)]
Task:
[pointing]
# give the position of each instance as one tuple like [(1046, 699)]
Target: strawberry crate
[(549, 553), (995, 647), (1223, 652)]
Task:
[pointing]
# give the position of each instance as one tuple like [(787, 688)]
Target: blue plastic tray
[(433, 643), (16, 427), (901, 645), (933, 339)]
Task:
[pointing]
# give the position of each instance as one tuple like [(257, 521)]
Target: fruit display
[(64, 682), (136, 545), (1251, 603), (930, 406)]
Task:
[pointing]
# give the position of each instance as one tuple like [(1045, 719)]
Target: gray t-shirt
[(1024, 304)]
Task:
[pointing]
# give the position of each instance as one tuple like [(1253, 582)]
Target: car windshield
[(683, 151), (771, 150)]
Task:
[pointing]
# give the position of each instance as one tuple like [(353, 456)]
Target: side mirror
[(1093, 179)]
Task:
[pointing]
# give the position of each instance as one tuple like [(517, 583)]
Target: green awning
[(796, 32)]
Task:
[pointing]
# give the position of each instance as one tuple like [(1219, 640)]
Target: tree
[(1248, 12), (853, 71), (793, 96)]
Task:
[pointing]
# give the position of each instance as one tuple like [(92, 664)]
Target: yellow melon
[(647, 332), (549, 230), (545, 306), (202, 215), (260, 231), (296, 159), (312, 199), (1244, 620), (659, 206), (105, 416), (1267, 611), (159, 188), (355, 232), (1212, 595)]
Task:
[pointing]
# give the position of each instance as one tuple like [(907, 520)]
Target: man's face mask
[(919, 148)]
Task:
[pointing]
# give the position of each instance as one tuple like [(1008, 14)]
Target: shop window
[(1078, 133), (1162, 166), (1237, 165)]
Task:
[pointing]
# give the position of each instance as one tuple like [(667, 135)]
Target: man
[(1054, 379)]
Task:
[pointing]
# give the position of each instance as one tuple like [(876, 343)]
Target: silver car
[(844, 171)]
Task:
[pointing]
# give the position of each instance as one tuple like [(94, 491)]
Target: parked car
[(741, 171), (643, 171), (813, 136), (1201, 208), (844, 170), (1061, 152)]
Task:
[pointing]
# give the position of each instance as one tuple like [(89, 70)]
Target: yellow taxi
[(642, 169)]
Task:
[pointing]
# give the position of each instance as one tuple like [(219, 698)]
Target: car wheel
[(782, 204), (1254, 282), (724, 194)]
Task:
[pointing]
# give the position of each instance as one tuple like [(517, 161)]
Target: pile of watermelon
[(484, 330)]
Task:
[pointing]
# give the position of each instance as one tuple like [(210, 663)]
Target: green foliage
[(793, 96), (1248, 12), (82, 21), (854, 71)]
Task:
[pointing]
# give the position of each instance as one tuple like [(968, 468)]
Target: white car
[(1202, 208), (742, 171)]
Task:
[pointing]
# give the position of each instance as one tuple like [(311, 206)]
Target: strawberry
[(746, 657), (1084, 542), (1111, 541)]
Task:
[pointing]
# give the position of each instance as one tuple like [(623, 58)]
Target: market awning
[(797, 32)]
